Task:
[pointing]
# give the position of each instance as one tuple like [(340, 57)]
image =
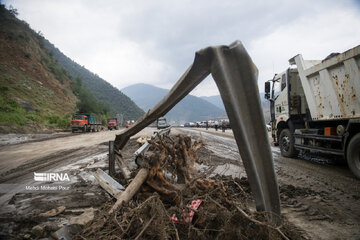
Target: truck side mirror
[(267, 90)]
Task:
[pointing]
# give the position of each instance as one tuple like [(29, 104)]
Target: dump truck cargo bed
[(331, 86)]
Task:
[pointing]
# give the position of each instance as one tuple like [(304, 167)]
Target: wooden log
[(123, 168), (108, 183), (133, 187)]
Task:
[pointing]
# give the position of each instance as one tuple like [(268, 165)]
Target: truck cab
[(79, 122), (161, 123), (129, 123), (288, 106), (113, 123)]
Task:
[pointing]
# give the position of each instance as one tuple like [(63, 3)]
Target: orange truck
[(129, 123), (113, 123), (86, 122)]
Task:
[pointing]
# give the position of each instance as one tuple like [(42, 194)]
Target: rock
[(141, 140), (27, 236), (38, 231), (44, 229), (28, 106), (53, 212), (84, 218), (66, 232)]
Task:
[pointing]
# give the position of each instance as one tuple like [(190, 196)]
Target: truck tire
[(353, 155), (286, 143)]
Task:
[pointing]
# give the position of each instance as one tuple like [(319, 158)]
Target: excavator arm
[(236, 78)]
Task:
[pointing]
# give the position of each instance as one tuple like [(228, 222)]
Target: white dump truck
[(315, 107)]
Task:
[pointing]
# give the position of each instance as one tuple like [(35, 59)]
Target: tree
[(13, 10)]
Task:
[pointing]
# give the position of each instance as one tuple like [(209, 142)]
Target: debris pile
[(174, 201)]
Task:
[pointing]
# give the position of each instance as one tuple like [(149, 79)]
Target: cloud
[(128, 42), (314, 37)]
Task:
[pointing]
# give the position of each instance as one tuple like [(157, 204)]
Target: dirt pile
[(175, 202)]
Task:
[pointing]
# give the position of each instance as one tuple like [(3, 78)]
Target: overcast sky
[(128, 42)]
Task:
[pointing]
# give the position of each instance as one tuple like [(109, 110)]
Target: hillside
[(35, 92), (216, 100), (191, 108), (101, 90)]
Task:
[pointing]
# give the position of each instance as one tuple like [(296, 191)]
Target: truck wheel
[(353, 155), (286, 142)]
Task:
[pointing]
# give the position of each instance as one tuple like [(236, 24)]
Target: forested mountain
[(191, 108), (37, 94), (216, 100), (101, 90)]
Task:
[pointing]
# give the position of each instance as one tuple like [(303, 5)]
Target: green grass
[(12, 114)]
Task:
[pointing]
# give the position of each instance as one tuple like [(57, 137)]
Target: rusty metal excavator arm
[(236, 77)]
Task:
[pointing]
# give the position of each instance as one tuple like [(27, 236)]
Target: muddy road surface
[(78, 155), (318, 195), (19, 161), (16, 159)]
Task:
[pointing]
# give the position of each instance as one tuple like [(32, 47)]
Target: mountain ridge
[(37, 94), (191, 108), (217, 101), (102, 90)]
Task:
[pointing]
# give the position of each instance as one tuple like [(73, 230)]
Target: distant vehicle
[(211, 123), (202, 124), (113, 123), (268, 127), (161, 123), (86, 122), (129, 123), (189, 124)]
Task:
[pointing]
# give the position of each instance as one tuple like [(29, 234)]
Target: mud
[(14, 138), (158, 210), (319, 195), (319, 198), (20, 209)]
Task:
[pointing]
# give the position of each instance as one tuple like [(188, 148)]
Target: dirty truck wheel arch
[(353, 155), (286, 143)]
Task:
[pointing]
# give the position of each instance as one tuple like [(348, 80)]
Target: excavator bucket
[(236, 78)]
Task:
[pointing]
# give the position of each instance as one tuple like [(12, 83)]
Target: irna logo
[(51, 177)]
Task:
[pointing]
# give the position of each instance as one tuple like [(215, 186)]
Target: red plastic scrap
[(188, 216)]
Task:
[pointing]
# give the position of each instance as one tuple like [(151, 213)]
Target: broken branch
[(130, 191)]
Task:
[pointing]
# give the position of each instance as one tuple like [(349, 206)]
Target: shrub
[(34, 117)]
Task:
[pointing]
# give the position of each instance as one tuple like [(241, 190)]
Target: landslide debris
[(164, 206)]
